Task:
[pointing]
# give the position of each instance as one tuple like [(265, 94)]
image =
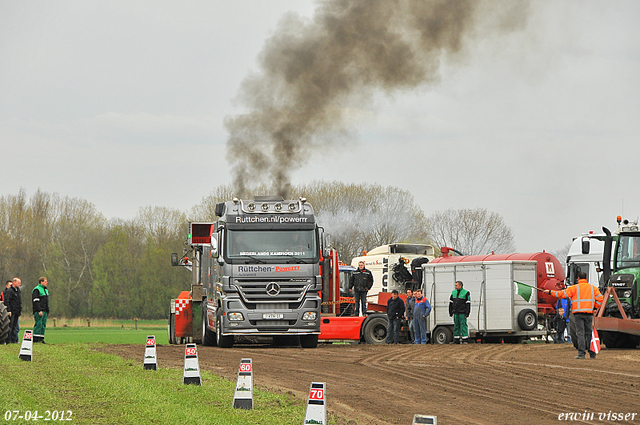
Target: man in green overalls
[(459, 308), (40, 299)]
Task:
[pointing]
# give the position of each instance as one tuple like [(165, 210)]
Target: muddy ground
[(460, 384)]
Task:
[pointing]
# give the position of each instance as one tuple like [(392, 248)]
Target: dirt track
[(472, 384)]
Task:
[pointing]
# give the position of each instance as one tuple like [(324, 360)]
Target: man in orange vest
[(585, 298)]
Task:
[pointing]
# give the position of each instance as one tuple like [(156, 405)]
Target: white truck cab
[(585, 254)]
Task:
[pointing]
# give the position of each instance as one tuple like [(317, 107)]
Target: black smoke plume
[(311, 71)]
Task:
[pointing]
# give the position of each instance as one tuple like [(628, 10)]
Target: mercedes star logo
[(273, 289)]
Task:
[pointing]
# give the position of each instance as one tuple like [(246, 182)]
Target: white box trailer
[(497, 311)]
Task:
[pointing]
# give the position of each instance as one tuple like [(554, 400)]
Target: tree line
[(116, 268)]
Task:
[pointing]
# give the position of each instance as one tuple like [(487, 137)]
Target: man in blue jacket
[(421, 309), (395, 312)]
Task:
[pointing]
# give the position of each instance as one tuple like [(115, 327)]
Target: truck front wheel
[(222, 341), (208, 337)]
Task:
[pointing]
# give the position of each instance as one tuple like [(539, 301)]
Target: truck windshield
[(280, 245), (628, 253)]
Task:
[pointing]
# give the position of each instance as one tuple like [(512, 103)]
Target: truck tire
[(172, 329), (528, 320), (308, 341), (208, 337), (5, 322), (222, 341), (442, 335), (375, 329)]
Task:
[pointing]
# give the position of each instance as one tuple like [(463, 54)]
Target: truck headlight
[(309, 315), (237, 317), (627, 293)]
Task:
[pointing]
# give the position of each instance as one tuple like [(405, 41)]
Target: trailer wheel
[(208, 337), (375, 330), (442, 335), (172, 329), (222, 341), (5, 322), (527, 320), (308, 341)]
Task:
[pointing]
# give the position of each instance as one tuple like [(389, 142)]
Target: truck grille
[(272, 291)]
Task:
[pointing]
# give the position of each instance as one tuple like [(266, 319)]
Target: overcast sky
[(122, 103)]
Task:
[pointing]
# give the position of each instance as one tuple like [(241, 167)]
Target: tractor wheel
[(5, 323), (618, 339), (375, 330)]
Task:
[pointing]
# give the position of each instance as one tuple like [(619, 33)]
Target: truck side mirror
[(586, 246), (174, 260), (214, 245)]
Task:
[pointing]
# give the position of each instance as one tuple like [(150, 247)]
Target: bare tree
[(473, 232), (363, 216)]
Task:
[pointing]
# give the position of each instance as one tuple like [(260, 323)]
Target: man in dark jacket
[(361, 281), (14, 305), (460, 308), (40, 301), (409, 305), (395, 312), (5, 293)]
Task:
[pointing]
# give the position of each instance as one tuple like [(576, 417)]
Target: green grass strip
[(106, 389)]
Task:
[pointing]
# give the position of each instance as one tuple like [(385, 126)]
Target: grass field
[(105, 331), (97, 388)]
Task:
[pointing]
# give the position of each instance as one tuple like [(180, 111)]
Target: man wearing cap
[(40, 301)]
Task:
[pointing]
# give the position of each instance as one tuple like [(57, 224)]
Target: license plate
[(272, 315)]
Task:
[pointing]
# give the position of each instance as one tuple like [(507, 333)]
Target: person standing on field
[(585, 298), (395, 312), (361, 281), (4, 295), (408, 312), (421, 309), (40, 300), (459, 309), (14, 305)]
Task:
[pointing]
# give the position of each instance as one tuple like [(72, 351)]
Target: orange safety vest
[(584, 297)]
